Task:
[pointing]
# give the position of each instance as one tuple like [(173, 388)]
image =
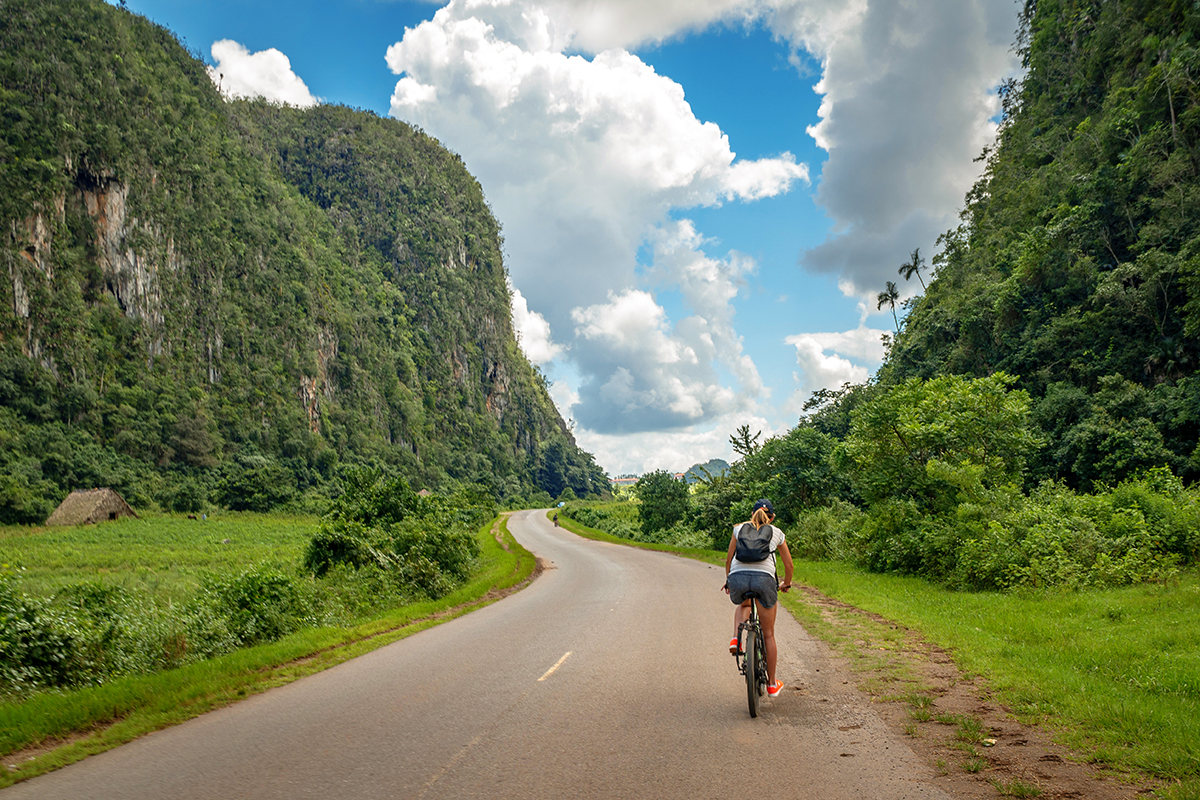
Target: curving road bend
[(608, 677)]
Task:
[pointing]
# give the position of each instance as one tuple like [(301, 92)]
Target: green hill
[(1077, 263), (214, 302)]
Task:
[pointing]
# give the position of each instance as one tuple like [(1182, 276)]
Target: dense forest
[(210, 302), (1035, 421), (1077, 264)]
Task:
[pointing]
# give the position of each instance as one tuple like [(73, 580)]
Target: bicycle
[(752, 659)]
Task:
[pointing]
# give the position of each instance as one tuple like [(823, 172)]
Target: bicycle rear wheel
[(753, 665)]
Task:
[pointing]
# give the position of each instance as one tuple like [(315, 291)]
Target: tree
[(664, 500), (932, 441), (913, 267), (888, 297), (743, 443)]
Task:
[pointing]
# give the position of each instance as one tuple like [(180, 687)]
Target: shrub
[(37, 647), (260, 604), (345, 542), (372, 498), (890, 539), (664, 501), (256, 483), (826, 534), (186, 496), (970, 431), (379, 521)]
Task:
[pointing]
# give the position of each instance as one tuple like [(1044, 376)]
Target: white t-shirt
[(767, 566)]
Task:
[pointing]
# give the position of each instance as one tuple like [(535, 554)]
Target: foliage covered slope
[(1035, 421), (1077, 264), (220, 302)]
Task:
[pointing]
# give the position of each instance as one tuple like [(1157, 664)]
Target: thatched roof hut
[(88, 506)]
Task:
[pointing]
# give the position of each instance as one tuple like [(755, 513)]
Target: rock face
[(132, 278), (439, 246), (30, 239)]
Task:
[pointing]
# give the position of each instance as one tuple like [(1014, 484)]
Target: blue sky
[(700, 198)]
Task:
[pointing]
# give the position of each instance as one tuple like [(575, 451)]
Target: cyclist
[(760, 577)]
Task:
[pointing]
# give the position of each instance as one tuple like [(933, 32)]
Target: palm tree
[(913, 266), (888, 297)]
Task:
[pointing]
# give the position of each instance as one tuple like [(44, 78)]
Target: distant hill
[(714, 467), (214, 302)]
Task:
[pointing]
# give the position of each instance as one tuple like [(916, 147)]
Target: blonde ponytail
[(760, 517)]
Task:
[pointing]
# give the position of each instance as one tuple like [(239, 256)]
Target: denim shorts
[(742, 581)]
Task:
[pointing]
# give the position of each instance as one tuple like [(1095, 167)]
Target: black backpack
[(753, 544)]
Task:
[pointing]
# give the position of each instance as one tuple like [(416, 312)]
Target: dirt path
[(952, 721)]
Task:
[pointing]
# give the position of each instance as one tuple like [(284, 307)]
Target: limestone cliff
[(220, 302)]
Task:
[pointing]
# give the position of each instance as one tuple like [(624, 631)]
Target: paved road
[(608, 677)]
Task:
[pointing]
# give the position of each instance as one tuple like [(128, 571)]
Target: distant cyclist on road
[(758, 544)]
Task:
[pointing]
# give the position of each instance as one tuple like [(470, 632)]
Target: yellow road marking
[(557, 664)]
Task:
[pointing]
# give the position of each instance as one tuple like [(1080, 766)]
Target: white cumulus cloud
[(267, 73), (908, 101), (533, 332), (828, 360), (582, 158), (584, 149), (821, 370), (640, 373)]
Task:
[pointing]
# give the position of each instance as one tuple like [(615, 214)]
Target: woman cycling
[(759, 577)]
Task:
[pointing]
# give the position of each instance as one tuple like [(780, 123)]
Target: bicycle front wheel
[(753, 665)]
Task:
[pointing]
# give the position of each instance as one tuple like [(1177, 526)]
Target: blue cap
[(764, 503)]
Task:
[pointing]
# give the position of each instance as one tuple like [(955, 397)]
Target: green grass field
[(72, 724), (163, 555)]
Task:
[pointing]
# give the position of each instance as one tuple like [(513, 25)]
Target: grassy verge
[(68, 726), (1114, 673)]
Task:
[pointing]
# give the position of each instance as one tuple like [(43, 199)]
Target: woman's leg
[(767, 617), (741, 613)]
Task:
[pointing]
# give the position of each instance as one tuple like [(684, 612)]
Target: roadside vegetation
[(138, 597), (927, 479), (1113, 673), (114, 630)]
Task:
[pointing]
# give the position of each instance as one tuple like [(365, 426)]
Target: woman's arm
[(729, 558), (787, 567)]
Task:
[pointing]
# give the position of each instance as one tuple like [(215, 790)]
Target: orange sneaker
[(775, 690), (735, 649)]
